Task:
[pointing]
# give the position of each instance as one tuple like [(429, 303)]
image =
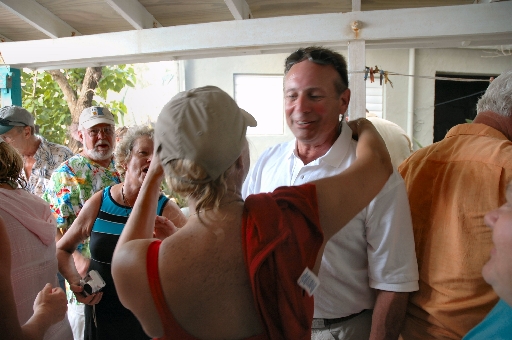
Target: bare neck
[(233, 194), (496, 121), (308, 152), (31, 147)]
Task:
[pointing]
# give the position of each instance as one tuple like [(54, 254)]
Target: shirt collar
[(335, 155), (475, 129)]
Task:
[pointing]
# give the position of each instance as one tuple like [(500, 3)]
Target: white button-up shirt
[(374, 250)]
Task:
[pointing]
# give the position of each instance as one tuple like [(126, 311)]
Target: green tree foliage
[(42, 96)]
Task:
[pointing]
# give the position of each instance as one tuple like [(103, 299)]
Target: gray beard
[(98, 155)]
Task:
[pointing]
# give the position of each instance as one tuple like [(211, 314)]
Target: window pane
[(261, 96), (374, 98)]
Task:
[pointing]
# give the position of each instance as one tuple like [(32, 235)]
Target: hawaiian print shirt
[(71, 184), (48, 157)]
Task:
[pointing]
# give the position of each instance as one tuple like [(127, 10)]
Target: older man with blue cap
[(40, 157)]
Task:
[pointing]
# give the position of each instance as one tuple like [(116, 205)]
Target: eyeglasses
[(318, 56), (107, 131)]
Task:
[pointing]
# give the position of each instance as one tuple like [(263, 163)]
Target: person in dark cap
[(40, 157), (237, 269)]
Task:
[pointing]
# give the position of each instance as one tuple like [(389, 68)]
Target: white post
[(180, 73), (356, 63), (356, 5), (410, 94)]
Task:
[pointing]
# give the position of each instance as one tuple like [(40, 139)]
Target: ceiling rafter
[(356, 5), (239, 9), (133, 12), (4, 38), (433, 27), (40, 18)]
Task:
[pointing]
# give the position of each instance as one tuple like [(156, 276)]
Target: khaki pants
[(76, 319), (357, 328)]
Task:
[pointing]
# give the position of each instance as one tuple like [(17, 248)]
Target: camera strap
[(94, 315)]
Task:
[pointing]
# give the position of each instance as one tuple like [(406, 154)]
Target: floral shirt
[(73, 183), (70, 186), (48, 157)]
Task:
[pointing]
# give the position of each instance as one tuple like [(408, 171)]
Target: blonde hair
[(11, 166), (190, 180)]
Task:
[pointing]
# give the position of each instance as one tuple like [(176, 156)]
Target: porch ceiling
[(72, 33)]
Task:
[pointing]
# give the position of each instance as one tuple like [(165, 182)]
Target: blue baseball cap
[(11, 116)]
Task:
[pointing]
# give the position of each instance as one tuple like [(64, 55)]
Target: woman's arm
[(79, 231), (171, 220), (141, 223), (341, 197), (49, 307), (129, 260), (173, 213)]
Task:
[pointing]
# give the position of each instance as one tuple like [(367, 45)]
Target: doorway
[(455, 101)]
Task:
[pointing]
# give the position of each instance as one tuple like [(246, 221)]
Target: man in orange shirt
[(451, 185)]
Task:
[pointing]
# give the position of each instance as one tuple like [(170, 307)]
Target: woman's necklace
[(124, 198), (125, 201)]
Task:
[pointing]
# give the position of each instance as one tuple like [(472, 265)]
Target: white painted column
[(356, 62), (356, 5), (410, 94), (180, 73)]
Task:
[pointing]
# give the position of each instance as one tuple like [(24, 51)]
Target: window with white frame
[(374, 98), (261, 96)]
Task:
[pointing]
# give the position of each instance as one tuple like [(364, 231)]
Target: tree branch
[(91, 80), (63, 83)]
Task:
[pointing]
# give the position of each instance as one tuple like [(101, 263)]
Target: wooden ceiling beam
[(239, 9), (40, 18), (4, 38), (133, 12), (356, 5)]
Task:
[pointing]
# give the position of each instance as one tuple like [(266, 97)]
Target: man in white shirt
[(370, 266)]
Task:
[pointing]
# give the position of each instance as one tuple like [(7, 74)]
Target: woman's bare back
[(213, 300)]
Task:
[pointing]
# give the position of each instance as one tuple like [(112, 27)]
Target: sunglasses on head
[(321, 57), (317, 56)]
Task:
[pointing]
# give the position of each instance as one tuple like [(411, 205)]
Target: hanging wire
[(425, 77), (471, 95)]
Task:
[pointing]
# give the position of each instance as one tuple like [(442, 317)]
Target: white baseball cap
[(95, 115)]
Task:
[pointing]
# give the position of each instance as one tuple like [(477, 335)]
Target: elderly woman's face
[(498, 270), (140, 159)]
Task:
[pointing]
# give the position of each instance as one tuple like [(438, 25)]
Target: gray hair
[(124, 148), (498, 97)]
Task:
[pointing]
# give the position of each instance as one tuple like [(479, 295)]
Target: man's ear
[(80, 136), (27, 132), (344, 100)]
